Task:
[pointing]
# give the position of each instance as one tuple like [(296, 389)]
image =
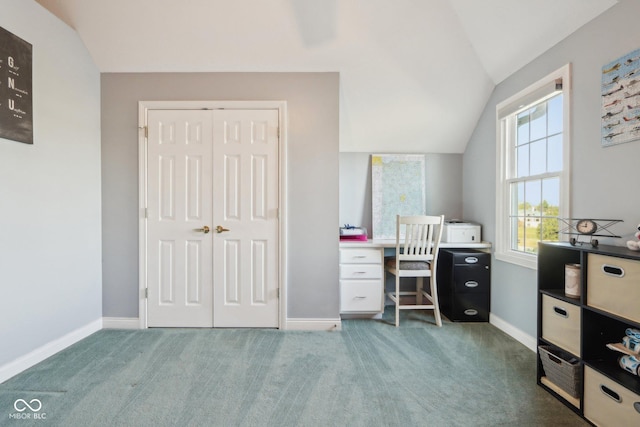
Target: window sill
[(518, 258)]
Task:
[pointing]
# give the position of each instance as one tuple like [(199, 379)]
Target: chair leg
[(397, 300), (434, 296), (419, 287)]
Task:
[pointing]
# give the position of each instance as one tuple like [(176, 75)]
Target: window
[(533, 160)]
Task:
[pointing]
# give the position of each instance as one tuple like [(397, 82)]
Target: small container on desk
[(350, 233)]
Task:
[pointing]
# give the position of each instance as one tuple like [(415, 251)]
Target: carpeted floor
[(369, 374)]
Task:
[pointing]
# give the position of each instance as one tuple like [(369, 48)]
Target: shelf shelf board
[(616, 373), (559, 294), (566, 396), (620, 251), (630, 323)]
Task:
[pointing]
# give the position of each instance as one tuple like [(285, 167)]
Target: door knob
[(220, 229), (204, 229)]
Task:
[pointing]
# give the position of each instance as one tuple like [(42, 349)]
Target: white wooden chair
[(416, 256)]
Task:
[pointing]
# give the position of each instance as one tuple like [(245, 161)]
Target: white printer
[(456, 231)]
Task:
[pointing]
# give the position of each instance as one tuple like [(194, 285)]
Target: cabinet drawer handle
[(611, 394), (471, 260), (471, 312), (360, 256), (359, 297), (471, 284), (555, 359), (359, 272), (612, 270), (560, 311)]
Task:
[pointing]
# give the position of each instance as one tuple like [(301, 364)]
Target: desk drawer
[(360, 271), (472, 257), (607, 403), (360, 256), (360, 296), (561, 324), (474, 279), (470, 307), (613, 285)]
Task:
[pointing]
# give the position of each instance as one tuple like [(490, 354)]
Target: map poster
[(398, 188), (16, 104)]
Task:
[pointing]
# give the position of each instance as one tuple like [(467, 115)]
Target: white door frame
[(143, 107)]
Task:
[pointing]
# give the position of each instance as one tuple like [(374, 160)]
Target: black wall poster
[(16, 104)]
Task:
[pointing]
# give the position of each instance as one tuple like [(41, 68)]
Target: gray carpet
[(369, 374)]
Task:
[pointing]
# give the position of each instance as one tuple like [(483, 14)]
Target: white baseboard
[(120, 323), (527, 340), (313, 325), (39, 354), (377, 316)]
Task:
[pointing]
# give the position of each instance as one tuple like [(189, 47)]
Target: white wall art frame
[(621, 100), (398, 188)]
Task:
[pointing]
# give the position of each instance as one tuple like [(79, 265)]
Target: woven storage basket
[(562, 369)]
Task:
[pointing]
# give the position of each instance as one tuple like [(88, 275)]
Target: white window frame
[(513, 105)]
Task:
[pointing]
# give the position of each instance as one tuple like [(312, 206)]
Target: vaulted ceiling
[(414, 74)]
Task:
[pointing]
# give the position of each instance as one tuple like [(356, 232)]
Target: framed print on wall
[(621, 100), (16, 103), (398, 188)]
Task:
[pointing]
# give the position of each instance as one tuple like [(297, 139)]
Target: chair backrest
[(422, 234)]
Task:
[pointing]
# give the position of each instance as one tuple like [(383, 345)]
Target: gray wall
[(50, 271), (313, 111), (602, 179), (443, 176)]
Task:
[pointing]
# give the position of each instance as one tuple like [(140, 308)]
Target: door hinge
[(146, 130), (278, 292), (146, 213), (146, 293)]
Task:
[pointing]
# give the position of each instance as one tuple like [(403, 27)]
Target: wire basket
[(562, 369)]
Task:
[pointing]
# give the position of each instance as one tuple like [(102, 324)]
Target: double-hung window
[(533, 168)]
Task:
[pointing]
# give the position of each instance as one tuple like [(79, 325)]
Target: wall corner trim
[(120, 323), (41, 353), (517, 334), (305, 324)]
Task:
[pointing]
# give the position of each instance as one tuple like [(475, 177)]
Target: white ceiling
[(414, 74)]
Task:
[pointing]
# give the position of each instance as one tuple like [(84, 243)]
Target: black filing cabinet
[(464, 284)]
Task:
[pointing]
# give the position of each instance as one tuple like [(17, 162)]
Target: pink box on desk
[(361, 237)]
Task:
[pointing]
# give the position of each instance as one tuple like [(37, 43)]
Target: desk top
[(391, 243)]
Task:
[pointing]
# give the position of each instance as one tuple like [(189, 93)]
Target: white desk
[(362, 274), (391, 243)]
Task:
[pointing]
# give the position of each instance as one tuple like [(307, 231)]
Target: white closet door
[(179, 189), (246, 203)]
